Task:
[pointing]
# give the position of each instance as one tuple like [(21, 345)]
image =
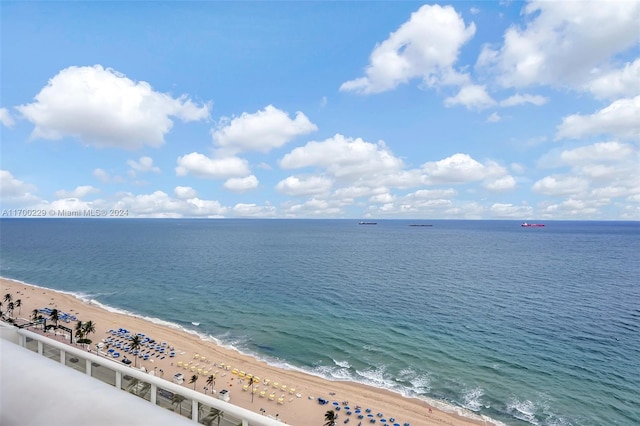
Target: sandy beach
[(294, 394)]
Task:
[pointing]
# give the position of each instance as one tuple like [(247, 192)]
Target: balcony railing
[(182, 401)]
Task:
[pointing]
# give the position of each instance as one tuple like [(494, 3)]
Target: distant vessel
[(367, 223), (532, 225), (419, 224)]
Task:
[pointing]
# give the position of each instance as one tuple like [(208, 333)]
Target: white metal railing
[(247, 417)]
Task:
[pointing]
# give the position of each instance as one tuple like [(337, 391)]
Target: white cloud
[(432, 194), (620, 119), (253, 210), (241, 184), (494, 118), (600, 152), (101, 175), (509, 211), (185, 192), (143, 165), (105, 177), (215, 168), (518, 99), (471, 96), (474, 10), (382, 198), (571, 209), (559, 185), (501, 184), (313, 208), (262, 131), (461, 168), (80, 192), (5, 118), (426, 46), (159, 204), (344, 158), (562, 42), (15, 190), (624, 82), (297, 186), (104, 108)]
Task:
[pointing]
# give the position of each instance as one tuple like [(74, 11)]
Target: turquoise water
[(524, 325)]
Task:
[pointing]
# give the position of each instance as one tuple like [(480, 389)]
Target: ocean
[(523, 325)]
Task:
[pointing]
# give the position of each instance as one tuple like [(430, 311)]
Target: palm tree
[(211, 381), (10, 307), (135, 343), (193, 380), (330, 418), (19, 305), (8, 297), (79, 331), (214, 414), (35, 316), (54, 317), (177, 401), (88, 328)]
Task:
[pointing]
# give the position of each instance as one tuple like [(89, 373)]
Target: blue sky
[(462, 110)]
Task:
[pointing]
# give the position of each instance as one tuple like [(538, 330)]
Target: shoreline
[(293, 401)]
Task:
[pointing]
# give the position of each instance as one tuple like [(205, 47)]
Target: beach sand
[(297, 407)]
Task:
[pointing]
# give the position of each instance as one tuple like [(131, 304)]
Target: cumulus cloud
[(461, 168), (620, 119), (15, 190), (184, 192), (622, 82), (313, 208), (472, 97), (426, 47), (562, 42), (561, 185), (599, 152), (241, 184), (214, 168), (344, 157), (262, 131), (101, 175), (253, 210), (160, 204), (102, 107), (5, 118), (494, 118), (297, 186), (143, 165), (80, 192), (518, 99), (510, 211)]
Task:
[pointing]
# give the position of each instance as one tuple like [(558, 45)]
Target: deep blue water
[(524, 325)]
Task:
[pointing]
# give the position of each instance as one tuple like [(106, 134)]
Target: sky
[(326, 109)]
